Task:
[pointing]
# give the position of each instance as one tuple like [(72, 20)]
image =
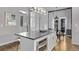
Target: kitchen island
[(37, 41)]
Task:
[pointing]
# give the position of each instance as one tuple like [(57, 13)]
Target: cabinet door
[(40, 44), (51, 41)]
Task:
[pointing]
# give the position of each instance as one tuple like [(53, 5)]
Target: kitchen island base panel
[(44, 43)]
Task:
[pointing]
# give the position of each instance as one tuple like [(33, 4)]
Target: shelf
[(43, 48), (42, 44)]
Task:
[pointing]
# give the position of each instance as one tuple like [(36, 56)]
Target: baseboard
[(75, 43)]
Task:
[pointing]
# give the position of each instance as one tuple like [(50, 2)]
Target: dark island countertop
[(34, 35)]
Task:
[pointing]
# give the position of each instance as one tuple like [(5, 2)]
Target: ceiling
[(54, 8)]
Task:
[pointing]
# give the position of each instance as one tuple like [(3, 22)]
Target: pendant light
[(39, 10), (56, 17)]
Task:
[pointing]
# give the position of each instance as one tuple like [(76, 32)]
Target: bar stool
[(58, 35)]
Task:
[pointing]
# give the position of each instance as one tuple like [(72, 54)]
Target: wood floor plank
[(65, 44), (13, 46)]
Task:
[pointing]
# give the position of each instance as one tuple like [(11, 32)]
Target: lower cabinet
[(41, 45), (51, 41), (27, 44), (45, 43)]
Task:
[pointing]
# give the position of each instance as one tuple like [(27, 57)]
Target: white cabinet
[(44, 43), (27, 44), (41, 44), (51, 41), (34, 45)]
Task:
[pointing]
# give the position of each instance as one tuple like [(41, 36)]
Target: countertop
[(34, 35)]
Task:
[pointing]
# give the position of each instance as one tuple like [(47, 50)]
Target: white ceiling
[(54, 8)]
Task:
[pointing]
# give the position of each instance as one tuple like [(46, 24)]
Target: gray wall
[(63, 13), (7, 32), (75, 25)]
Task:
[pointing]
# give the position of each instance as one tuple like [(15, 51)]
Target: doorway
[(62, 25)]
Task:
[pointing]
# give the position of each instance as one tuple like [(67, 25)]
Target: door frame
[(59, 23)]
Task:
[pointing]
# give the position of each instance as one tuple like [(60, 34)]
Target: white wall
[(75, 25), (43, 21), (34, 21), (7, 32), (51, 20)]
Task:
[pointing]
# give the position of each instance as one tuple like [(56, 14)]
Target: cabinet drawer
[(42, 45)]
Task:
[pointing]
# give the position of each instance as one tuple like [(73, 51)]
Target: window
[(10, 19)]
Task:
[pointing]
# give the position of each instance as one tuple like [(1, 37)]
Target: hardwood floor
[(65, 44), (13, 46)]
